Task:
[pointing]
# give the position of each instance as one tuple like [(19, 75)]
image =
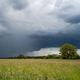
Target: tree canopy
[(68, 51)]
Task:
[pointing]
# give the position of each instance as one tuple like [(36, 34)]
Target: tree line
[(67, 51)]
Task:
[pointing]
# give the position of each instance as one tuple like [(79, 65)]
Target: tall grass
[(31, 69)]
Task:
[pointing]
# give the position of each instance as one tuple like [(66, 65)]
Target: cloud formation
[(31, 16), (39, 16), (47, 51), (44, 52), (18, 4), (21, 20)]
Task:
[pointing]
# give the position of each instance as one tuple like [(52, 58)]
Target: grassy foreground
[(36, 69)]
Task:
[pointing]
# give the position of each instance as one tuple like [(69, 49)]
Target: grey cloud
[(73, 19), (33, 19), (36, 18), (70, 11), (22, 19), (19, 4), (13, 45)]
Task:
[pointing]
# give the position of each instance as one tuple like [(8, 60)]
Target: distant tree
[(50, 56), (20, 56), (68, 51), (53, 56)]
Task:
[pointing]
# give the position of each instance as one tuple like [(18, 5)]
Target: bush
[(20, 56), (53, 56)]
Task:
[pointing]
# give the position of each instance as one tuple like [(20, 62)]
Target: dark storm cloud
[(29, 25), (13, 45), (22, 45), (74, 19), (70, 11), (57, 40)]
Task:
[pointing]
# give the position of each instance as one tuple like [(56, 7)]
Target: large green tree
[(68, 51)]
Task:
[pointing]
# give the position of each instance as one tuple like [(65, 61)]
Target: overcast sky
[(30, 25)]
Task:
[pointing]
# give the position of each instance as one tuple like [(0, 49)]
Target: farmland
[(39, 69)]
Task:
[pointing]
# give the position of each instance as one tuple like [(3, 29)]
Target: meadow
[(39, 69)]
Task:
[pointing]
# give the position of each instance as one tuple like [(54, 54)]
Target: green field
[(37, 69)]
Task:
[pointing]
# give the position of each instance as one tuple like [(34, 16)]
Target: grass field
[(36, 69)]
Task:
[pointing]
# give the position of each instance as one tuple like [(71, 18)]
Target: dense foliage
[(68, 51)]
